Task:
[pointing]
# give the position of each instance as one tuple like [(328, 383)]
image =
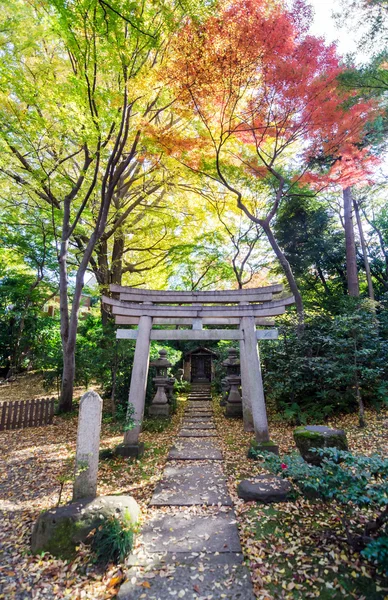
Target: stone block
[(159, 410), (61, 529), (233, 410), (264, 488), (130, 450), (318, 436)]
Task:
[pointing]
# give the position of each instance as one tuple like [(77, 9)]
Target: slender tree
[(350, 244)]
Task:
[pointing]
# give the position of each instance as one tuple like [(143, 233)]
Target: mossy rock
[(61, 529), (317, 436), (268, 446)]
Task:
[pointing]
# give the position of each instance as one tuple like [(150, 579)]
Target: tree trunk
[(66, 399), (68, 374), (364, 251), (288, 272), (350, 245)]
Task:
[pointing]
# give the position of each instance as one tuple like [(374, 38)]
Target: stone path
[(190, 543)]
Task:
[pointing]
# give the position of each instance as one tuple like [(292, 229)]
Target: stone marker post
[(88, 446)]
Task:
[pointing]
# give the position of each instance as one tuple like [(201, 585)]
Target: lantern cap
[(162, 361)]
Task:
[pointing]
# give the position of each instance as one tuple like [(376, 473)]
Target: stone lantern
[(233, 378), (159, 406)]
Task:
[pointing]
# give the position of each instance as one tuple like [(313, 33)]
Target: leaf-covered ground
[(291, 549), (33, 461)]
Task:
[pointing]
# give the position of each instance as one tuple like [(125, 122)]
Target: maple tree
[(265, 113)]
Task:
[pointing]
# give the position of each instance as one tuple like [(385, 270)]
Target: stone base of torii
[(244, 308)]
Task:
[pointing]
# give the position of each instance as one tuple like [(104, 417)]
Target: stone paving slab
[(197, 425), (188, 532), (197, 433), (208, 418), (195, 449), (223, 576), (198, 413), (191, 484), (199, 404)]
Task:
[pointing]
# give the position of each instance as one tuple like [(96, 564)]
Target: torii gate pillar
[(252, 382), (137, 390)]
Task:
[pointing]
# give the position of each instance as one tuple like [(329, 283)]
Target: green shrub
[(377, 551), (113, 540), (338, 360)]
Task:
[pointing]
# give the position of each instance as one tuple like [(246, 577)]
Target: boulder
[(264, 488), (318, 436), (61, 529)]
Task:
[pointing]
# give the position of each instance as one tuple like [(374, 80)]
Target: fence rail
[(26, 413)]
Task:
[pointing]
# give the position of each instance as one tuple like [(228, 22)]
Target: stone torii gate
[(241, 308)]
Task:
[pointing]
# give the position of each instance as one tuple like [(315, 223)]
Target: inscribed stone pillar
[(246, 400), (252, 379), (88, 446), (137, 390)]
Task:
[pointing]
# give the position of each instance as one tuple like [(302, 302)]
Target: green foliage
[(377, 551), (182, 387), (156, 424), (113, 540), (314, 376), (313, 241)]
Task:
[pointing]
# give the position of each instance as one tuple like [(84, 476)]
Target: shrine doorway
[(198, 365)]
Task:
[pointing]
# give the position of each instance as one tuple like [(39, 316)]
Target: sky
[(324, 26)]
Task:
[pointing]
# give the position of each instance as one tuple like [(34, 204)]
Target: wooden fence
[(26, 413)]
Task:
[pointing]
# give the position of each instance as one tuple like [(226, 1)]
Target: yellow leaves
[(116, 580)]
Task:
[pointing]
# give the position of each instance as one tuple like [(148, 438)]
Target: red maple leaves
[(267, 95)]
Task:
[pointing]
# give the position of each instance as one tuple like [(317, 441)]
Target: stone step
[(198, 413), (198, 425), (199, 399), (191, 484), (197, 433), (199, 576), (184, 531), (195, 449)]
